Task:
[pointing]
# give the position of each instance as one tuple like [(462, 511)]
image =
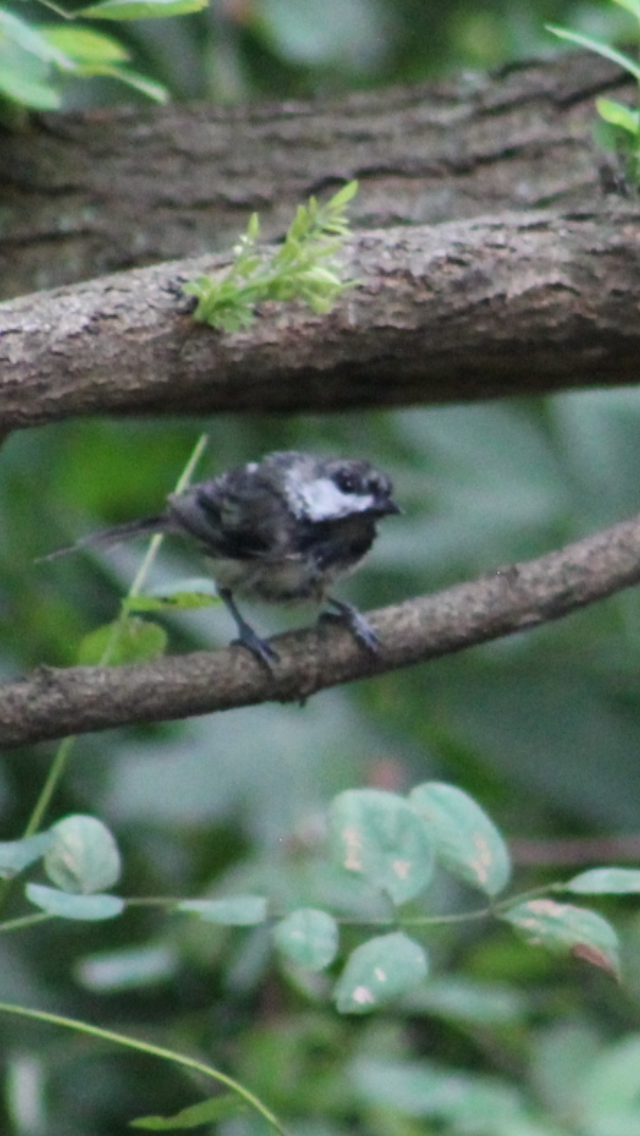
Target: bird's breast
[(284, 580)]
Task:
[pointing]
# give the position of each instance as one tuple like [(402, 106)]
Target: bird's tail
[(116, 535)]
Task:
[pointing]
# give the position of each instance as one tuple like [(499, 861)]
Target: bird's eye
[(346, 481)]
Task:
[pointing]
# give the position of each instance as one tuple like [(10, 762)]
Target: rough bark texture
[(53, 703), (469, 310), (86, 194), (477, 307)]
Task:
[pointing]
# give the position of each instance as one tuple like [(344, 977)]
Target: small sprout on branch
[(305, 267)]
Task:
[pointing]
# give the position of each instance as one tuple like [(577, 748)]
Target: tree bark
[(470, 310), (86, 194)]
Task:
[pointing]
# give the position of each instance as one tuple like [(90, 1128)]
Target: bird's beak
[(387, 508)]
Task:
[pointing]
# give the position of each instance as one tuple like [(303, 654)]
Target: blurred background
[(240, 49), (542, 728)]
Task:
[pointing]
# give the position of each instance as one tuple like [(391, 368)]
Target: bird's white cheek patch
[(324, 501)]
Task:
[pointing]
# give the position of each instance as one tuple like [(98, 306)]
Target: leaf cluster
[(36, 60), (392, 847), (306, 267)]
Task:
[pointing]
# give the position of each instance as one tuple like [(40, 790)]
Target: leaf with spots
[(565, 929), (379, 836), (379, 971), (308, 937), (466, 841)]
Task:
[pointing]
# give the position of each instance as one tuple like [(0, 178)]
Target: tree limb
[(470, 310), (52, 703), (83, 194)]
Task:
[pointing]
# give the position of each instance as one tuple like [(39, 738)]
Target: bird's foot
[(260, 648), (359, 627)]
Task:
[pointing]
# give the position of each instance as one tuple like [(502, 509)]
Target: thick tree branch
[(476, 309), (86, 194), (53, 702)]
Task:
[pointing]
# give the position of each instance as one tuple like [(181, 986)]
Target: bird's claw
[(260, 649), (359, 627)]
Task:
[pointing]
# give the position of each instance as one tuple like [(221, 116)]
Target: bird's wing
[(233, 520)]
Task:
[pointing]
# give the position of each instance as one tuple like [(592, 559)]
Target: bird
[(281, 530)]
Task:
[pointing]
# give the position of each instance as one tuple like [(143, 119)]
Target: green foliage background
[(543, 729)]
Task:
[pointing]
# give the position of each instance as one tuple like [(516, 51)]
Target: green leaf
[(205, 1112), (123, 641), (308, 937), (619, 115), (26, 60), (31, 40), (605, 881), (141, 9), (127, 969), (90, 908), (238, 911), (565, 929), (319, 274), (16, 855), (632, 6), (253, 228), (84, 44), (466, 841), (27, 91), (185, 596), (82, 856), (219, 305), (600, 48), (147, 87), (200, 585), (342, 198), (78, 51), (380, 837), (379, 971)]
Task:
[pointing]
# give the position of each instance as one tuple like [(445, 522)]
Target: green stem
[(183, 483), (25, 921), (53, 779), (151, 1050), (65, 749), (57, 9)]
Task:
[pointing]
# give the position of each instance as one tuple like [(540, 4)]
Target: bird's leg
[(359, 627), (246, 635)]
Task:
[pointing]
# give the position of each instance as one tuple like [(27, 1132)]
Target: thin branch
[(52, 703), (519, 304)]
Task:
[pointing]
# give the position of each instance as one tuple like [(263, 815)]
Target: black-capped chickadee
[(280, 530)]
